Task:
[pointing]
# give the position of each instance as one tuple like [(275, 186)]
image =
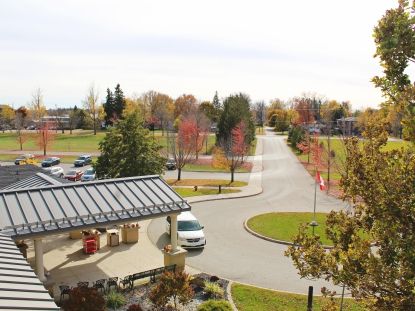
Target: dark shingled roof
[(20, 289), (12, 174)]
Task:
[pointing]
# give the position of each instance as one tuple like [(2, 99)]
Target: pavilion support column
[(173, 232), (177, 255), (40, 270)]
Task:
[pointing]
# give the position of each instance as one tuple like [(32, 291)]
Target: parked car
[(73, 175), (89, 175), (51, 161), (83, 160), (25, 159), (170, 164), (56, 171), (189, 231)]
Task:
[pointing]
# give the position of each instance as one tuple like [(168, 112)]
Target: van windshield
[(188, 225)]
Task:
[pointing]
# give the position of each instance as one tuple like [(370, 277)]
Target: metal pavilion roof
[(20, 289), (37, 180), (55, 209)]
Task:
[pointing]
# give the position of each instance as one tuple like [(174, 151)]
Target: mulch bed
[(140, 295)]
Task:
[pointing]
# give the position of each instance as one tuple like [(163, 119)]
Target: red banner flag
[(320, 181)]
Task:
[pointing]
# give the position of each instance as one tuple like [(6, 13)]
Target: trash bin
[(113, 237)]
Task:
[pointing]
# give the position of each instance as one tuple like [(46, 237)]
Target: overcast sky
[(266, 49)]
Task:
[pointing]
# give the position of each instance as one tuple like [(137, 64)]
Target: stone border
[(229, 293), (271, 239)]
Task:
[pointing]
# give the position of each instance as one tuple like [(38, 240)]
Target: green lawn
[(189, 192), (284, 226), (249, 298)]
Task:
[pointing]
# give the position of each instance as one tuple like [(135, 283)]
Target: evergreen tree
[(129, 150), (119, 102), (109, 108), (236, 108), (216, 103)]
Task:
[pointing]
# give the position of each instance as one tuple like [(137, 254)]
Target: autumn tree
[(183, 105), (235, 149), (184, 143), (172, 286), (129, 150), (394, 37), (91, 105), (20, 122), (160, 107), (37, 106), (7, 116), (45, 137), (373, 253)]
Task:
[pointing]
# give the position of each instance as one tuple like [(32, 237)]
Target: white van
[(189, 231)]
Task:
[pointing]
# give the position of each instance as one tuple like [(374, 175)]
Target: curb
[(271, 239), (229, 294), (202, 199)]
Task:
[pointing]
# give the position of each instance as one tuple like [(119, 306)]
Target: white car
[(88, 175), (189, 231), (56, 171)]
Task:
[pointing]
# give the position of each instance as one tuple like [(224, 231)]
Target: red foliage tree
[(45, 137), (184, 143), (235, 148), (84, 299)]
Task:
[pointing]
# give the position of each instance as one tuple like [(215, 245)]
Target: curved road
[(233, 253)]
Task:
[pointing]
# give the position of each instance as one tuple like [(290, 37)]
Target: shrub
[(215, 305), (214, 278), (84, 299), (297, 134), (175, 286), (197, 283), (213, 290), (134, 307), (115, 300)]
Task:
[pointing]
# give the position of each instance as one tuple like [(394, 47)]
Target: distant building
[(348, 126), (55, 122)]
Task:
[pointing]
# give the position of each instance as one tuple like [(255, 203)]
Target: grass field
[(284, 226), (249, 298), (205, 182), (189, 192), (79, 141)]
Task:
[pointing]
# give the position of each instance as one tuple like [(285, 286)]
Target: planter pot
[(129, 234)]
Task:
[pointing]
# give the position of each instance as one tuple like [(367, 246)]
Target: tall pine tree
[(109, 108), (119, 102), (114, 105)]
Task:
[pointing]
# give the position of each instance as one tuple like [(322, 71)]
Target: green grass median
[(249, 298)]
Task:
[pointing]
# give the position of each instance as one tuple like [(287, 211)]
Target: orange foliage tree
[(45, 137)]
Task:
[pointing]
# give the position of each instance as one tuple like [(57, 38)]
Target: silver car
[(89, 175)]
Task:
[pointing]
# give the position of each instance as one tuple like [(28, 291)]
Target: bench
[(149, 273)]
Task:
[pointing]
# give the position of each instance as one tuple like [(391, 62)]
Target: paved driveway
[(233, 253)]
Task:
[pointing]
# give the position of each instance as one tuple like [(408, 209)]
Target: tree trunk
[(179, 173), (328, 161), (20, 141), (232, 174), (70, 131), (95, 126)]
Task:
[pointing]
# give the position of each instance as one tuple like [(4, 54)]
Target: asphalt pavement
[(233, 253)]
